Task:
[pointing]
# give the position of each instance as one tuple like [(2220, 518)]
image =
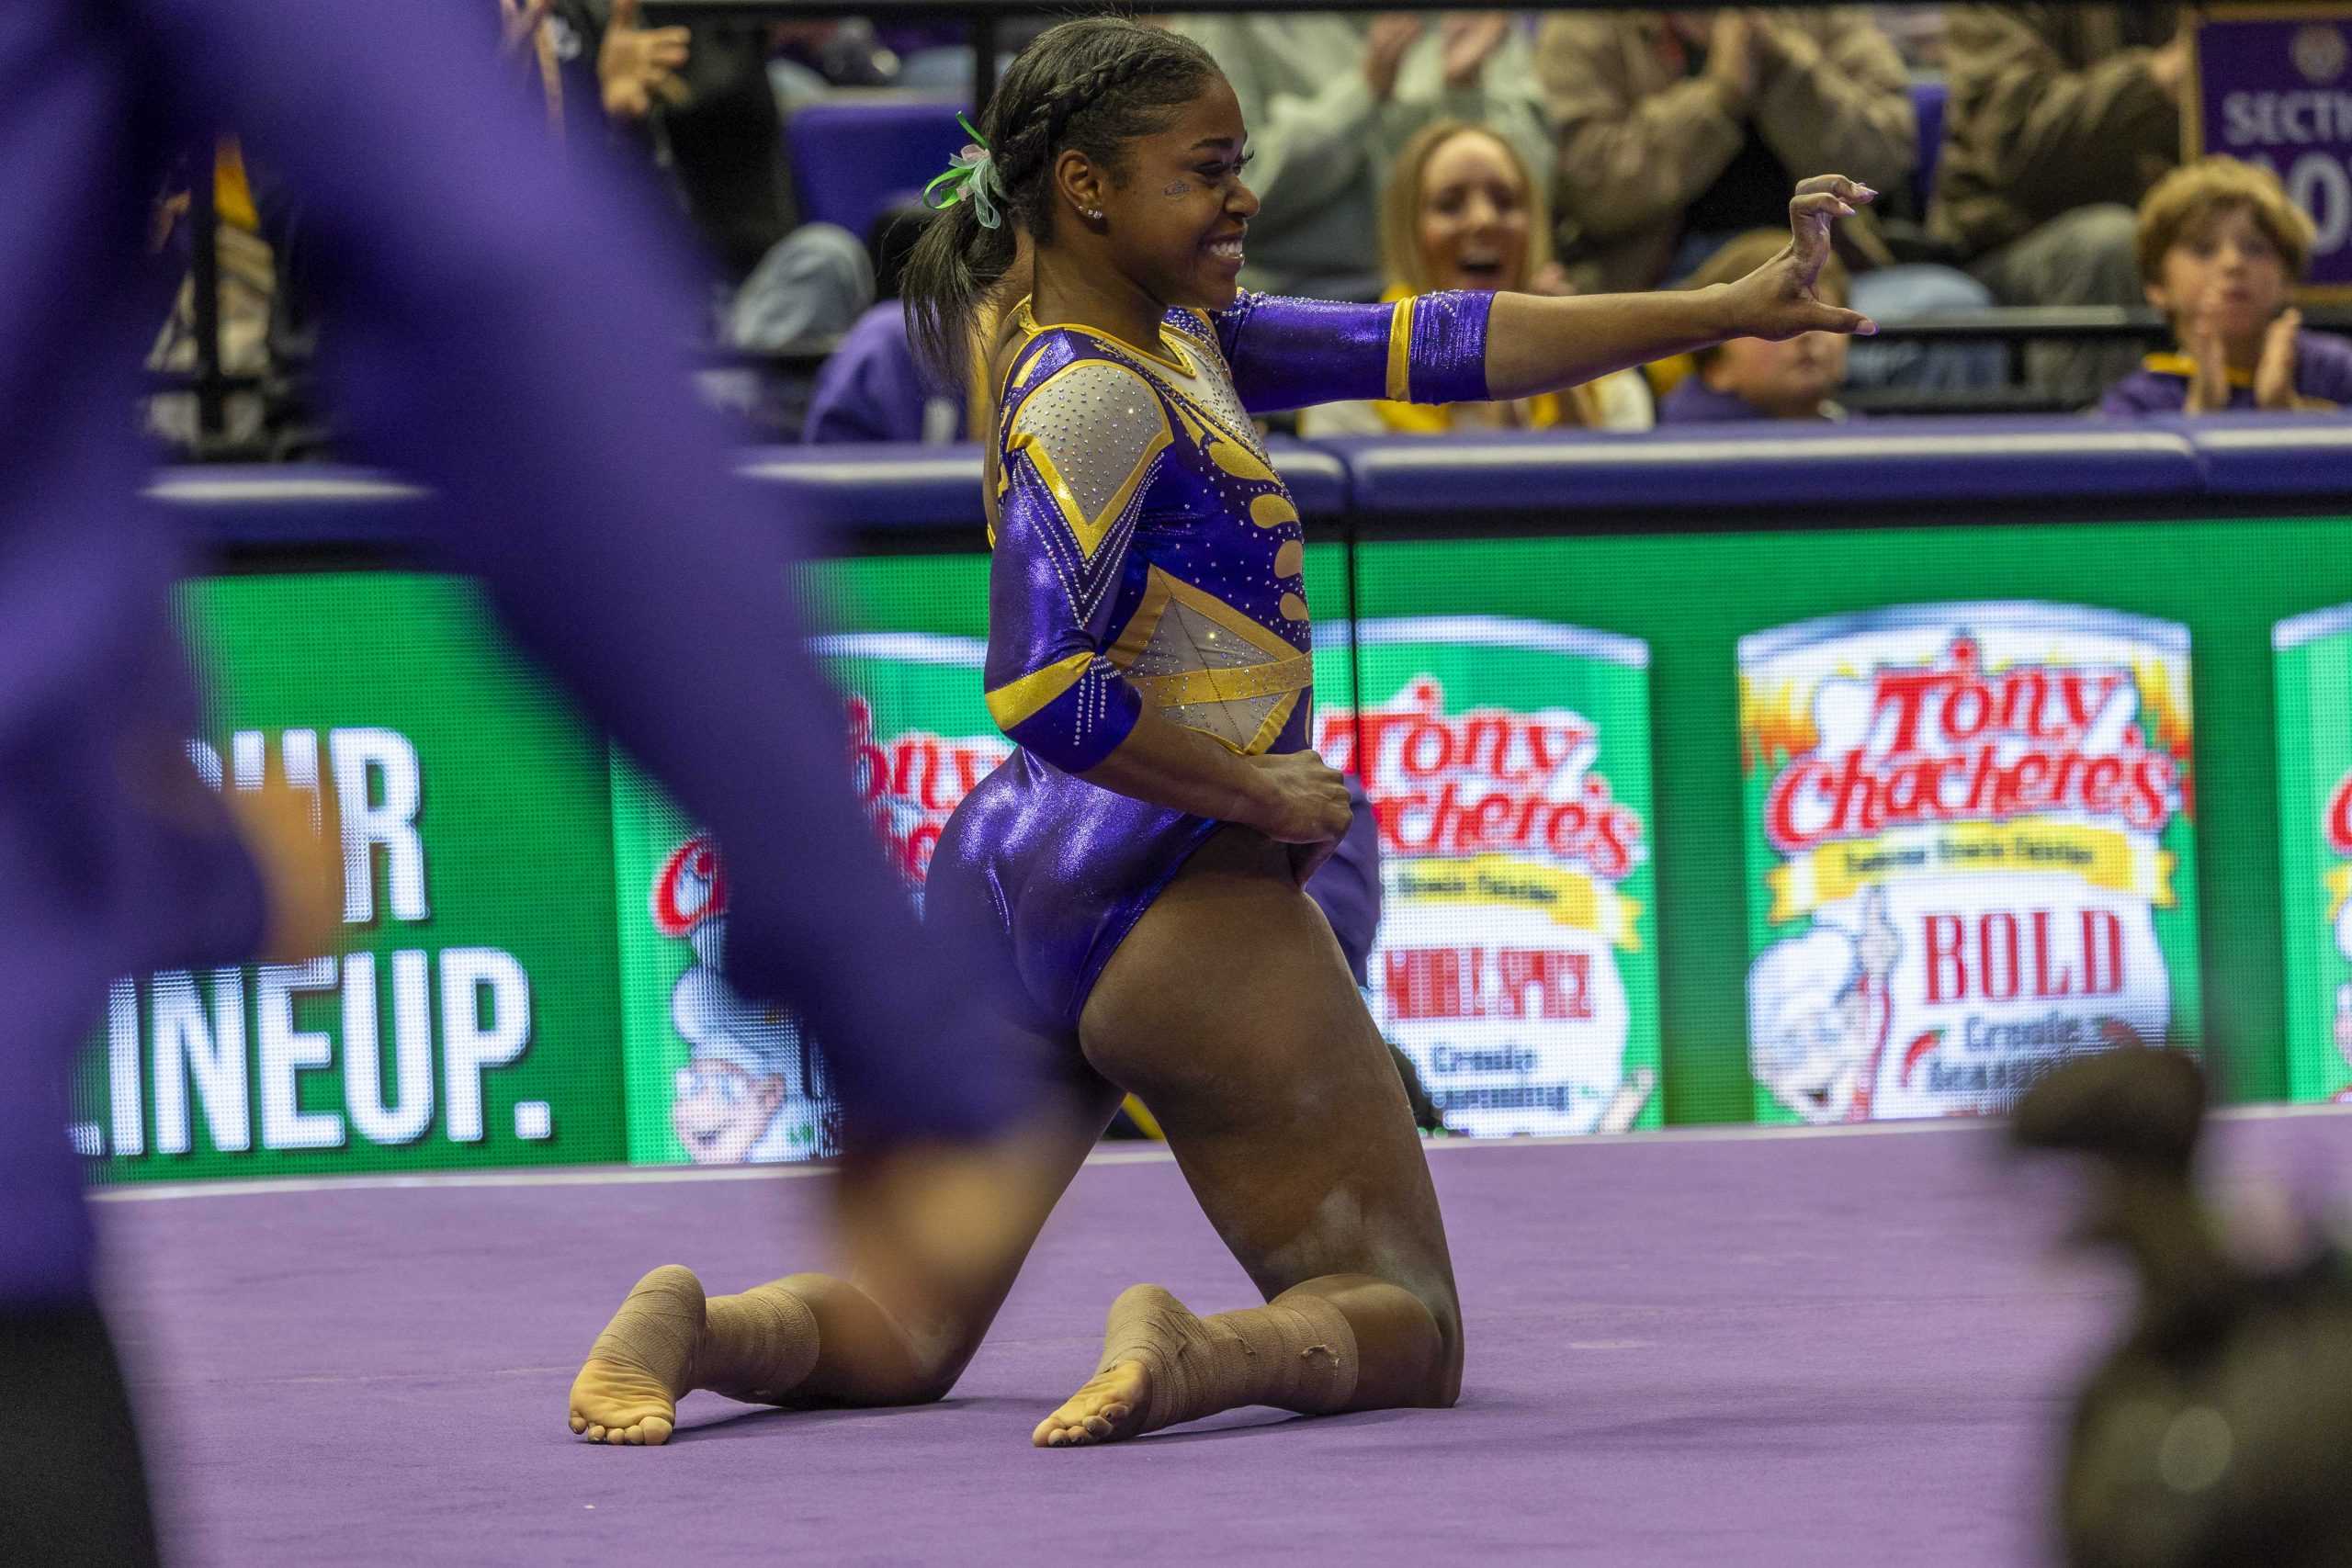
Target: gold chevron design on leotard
[(1206, 665)]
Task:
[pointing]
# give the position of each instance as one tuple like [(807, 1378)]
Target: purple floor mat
[(1741, 1349)]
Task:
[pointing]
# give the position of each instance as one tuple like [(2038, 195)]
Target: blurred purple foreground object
[(503, 331)]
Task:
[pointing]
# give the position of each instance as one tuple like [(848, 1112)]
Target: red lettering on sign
[(1516, 983), (2000, 957)]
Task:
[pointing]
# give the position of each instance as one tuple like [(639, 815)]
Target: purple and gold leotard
[(1147, 554)]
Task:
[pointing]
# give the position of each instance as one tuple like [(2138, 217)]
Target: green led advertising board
[(471, 1019), (1576, 747)]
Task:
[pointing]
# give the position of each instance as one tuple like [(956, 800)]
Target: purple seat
[(1927, 98), (855, 157)]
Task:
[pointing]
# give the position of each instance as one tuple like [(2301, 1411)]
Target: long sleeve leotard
[(1147, 555)]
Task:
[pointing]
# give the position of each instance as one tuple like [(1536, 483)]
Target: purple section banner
[(2274, 87)]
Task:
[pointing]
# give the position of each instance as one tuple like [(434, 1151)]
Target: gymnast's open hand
[(1777, 302), (1536, 344)]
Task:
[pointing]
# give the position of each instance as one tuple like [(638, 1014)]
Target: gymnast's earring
[(1093, 214)]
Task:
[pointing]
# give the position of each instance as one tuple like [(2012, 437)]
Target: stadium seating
[(856, 155), (1929, 94)]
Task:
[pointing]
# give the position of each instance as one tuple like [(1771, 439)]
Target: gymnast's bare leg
[(1289, 1122), (898, 1330)]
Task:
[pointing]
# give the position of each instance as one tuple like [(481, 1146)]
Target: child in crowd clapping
[(2221, 247)]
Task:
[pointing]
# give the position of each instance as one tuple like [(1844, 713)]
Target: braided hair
[(1092, 84)]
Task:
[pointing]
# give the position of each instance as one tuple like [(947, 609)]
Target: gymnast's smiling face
[(1175, 211)]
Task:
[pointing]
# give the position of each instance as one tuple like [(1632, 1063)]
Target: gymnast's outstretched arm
[(1457, 346)]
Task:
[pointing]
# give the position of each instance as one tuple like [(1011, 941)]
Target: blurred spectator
[(1331, 99), (245, 295), (872, 386), (1917, 33), (807, 59), (266, 326), (2060, 118), (697, 102), (1463, 211), (1750, 378), (2220, 246), (936, 56), (1678, 129)]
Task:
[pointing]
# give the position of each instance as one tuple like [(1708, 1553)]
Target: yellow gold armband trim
[(1022, 699), (1400, 351)]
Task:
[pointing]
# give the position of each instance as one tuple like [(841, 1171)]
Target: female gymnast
[(1137, 861)]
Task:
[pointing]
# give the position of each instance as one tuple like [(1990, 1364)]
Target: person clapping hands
[(2221, 247)]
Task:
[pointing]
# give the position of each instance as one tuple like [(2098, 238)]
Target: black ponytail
[(951, 270), (1092, 84)]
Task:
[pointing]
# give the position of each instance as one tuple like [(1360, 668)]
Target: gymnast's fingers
[(1838, 186), (1813, 214), (1852, 323)]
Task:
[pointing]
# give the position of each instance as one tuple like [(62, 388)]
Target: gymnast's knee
[(1442, 1313), (938, 1369), (1445, 1312), (866, 1355)]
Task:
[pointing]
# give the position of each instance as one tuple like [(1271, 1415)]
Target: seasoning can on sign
[(1969, 853), (2312, 664), (713, 1079), (1508, 763)]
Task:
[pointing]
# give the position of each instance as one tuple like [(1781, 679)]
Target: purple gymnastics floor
[(1682, 1349)]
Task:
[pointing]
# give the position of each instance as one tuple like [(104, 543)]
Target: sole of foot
[(627, 1392)]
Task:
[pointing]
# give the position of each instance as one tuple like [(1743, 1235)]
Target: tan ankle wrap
[(1296, 1353), (760, 1345), (657, 1328)]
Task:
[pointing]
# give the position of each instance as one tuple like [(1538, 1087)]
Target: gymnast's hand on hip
[(1300, 799)]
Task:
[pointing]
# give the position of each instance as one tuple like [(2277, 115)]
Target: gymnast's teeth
[(1226, 250)]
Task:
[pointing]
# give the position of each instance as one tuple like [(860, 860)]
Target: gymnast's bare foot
[(1108, 1408), (627, 1390), (1149, 1328)]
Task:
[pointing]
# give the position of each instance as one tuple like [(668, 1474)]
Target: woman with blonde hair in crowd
[(1461, 211)]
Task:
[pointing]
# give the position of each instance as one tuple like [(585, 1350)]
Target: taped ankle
[(1296, 1353), (1312, 1348), (657, 1328), (759, 1346)]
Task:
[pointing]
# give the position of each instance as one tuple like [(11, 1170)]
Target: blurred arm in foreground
[(504, 334)]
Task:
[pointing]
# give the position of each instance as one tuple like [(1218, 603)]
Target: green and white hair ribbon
[(972, 176)]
